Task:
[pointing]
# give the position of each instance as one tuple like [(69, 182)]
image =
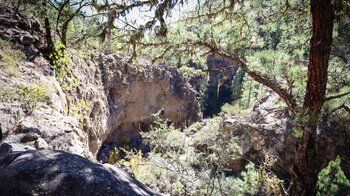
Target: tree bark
[(306, 167)]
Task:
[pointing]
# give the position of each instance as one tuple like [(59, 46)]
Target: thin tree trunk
[(48, 35), (64, 33), (306, 167)]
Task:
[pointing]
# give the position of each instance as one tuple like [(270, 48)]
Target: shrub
[(194, 161), (227, 110), (190, 72), (30, 96), (80, 110), (62, 65), (10, 58), (332, 180), (7, 94)]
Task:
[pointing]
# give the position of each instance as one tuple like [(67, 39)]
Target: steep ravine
[(100, 100), (117, 102), (124, 96), (103, 102)]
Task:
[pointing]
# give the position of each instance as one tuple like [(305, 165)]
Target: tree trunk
[(48, 36), (64, 33), (306, 167)]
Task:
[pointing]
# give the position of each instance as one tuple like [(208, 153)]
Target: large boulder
[(49, 172)]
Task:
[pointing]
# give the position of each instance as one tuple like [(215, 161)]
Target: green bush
[(61, 61), (10, 58), (30, 96), (190, 72), (195, 161), (332, 180), (80, 110), (7, 94), (62, 65)]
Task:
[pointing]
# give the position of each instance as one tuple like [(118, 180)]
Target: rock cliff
[(100, 99)]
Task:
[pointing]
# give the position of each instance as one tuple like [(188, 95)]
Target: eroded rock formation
[(268, 131), (101, 98), (135, 92)]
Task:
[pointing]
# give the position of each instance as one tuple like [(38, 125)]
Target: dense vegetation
[(299, 49)]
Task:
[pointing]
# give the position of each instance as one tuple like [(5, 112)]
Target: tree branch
[(259, 77), (346, 108), (66, 2), (336, 96)]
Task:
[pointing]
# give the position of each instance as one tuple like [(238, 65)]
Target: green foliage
[(10, 57), (62, 65), (332, 180), (190, 72), (114, 156), (297, 132), (133, 160), (248, 183), (251, 92), (194, 161), (283, 68), (185, 165), (228, 110), (61, 61), (30, 96), (237, 85), (80, 110), (7, 94)]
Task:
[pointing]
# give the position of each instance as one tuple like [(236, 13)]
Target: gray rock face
[(13, 146), (59, 173), (267, 130), (136, 91), (44, 129), (18, 28)]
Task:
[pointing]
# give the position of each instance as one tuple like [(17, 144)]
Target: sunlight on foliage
[(194, 161), (31, 96), (10, 57), (332, 180)]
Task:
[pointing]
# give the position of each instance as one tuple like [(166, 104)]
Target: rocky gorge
[(57, 131), (103, 99)]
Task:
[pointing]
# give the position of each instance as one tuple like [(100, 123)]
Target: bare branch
[(66, 2)]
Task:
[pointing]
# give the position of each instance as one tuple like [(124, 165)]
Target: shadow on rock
[(50, 172)]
